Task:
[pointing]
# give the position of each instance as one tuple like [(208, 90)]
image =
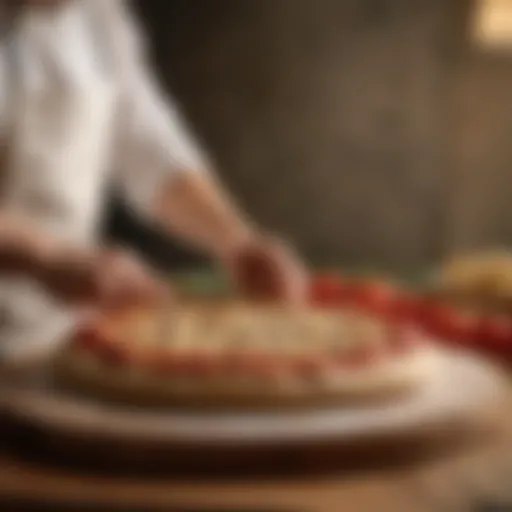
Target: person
[(80, 110)]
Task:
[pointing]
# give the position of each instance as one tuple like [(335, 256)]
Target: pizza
[(244, 355)]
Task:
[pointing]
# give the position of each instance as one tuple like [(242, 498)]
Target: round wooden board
[(457, 401)]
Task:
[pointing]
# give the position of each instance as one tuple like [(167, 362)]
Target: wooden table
[(484, 470)]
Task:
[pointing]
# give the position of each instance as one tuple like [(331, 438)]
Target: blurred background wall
[(368, 131)]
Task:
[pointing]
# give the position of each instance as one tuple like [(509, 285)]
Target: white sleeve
[(152, 142), (5, 89)]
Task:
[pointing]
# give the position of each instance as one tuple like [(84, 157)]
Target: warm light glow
[(492, 24)]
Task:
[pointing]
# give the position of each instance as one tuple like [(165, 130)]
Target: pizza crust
[(88, 375)]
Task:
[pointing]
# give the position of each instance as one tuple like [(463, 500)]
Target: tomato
[(450, 323), (424, 314), (375, 297), (495, 334), (407, 308), (327, 290)]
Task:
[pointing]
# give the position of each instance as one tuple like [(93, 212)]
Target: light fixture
[(491, 24)]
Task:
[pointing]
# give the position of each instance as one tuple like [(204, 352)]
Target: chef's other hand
[(266, 268), (104, 280)]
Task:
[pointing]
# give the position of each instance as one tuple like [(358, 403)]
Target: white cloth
[(85, 110)]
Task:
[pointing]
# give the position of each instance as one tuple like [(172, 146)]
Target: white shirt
[(82, 110)]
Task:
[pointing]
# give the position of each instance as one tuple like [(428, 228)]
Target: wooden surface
[(480, 470), (439, 485)]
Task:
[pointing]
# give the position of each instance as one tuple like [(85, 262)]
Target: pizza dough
[(242, 355)]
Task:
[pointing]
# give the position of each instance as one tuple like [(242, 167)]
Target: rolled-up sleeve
[(152, 142)]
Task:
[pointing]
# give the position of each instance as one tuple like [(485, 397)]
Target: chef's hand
[(102, 280), (266, 268)]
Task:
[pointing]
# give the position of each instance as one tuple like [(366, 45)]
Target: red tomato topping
[(450, 324), (376, 297), (327, 290), (495, 334), (407, 308)]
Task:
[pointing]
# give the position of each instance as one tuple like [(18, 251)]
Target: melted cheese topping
[(252, 329)]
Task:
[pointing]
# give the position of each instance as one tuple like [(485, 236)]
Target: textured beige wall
[(368, 131), (482, 150)]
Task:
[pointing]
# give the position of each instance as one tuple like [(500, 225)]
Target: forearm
[(196, 208), (22, 248)]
